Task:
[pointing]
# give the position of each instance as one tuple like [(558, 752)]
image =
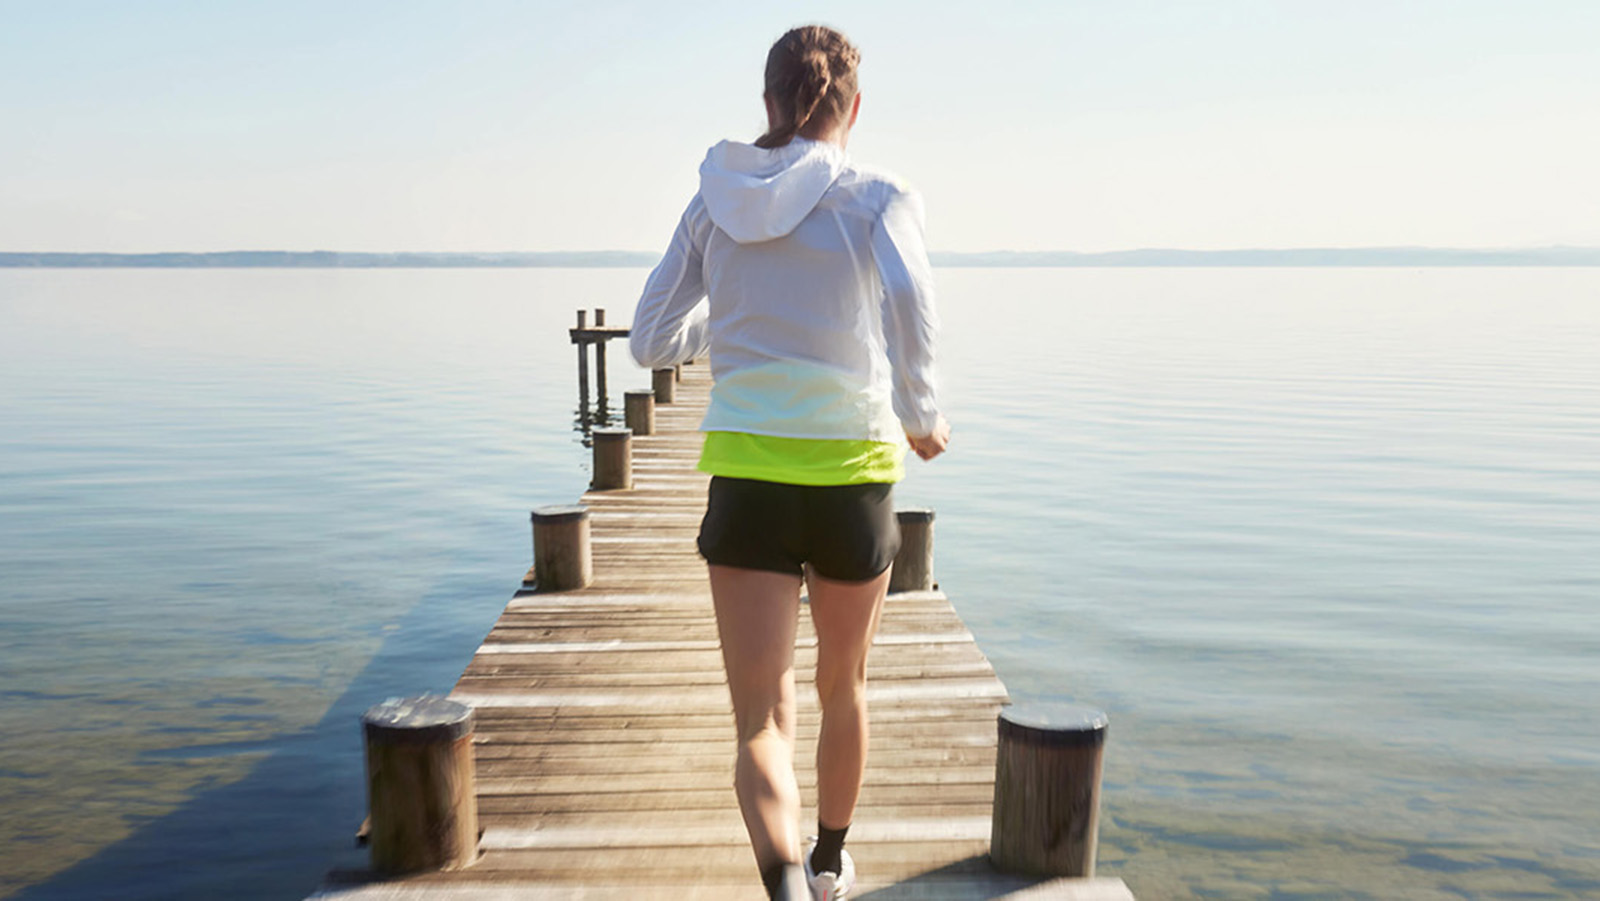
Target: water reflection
[(587, 418)]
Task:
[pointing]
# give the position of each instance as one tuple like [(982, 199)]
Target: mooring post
[(665, 383), (561, 559), (613, 459), (1047, 790), (913, 565), (420, 791), (600, 392), (639, 410), (677, 373), (583, 361)]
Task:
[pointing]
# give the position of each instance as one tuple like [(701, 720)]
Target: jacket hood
[(755, 194)]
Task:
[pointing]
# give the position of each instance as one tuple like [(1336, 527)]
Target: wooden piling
[(1046, 819), (598, 335), (600, 391), (913, 565), (421, 785), (665, 382), (639, 411), (583, 361), (613, 459), (561, 557)]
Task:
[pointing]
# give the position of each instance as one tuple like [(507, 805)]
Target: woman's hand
[(930, 446)]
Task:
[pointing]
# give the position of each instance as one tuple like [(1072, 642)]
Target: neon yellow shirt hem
[(802, 461)]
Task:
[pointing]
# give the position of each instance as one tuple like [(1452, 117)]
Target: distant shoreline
[(324, 259)]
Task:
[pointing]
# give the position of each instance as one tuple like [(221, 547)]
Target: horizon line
[(1396, 255), (1149, 248)]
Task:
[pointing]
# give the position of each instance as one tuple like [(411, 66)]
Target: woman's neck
[(835, 134)]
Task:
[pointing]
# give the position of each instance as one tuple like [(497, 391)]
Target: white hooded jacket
[(806, 278)]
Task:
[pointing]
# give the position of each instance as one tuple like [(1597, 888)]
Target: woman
[(806, 279)]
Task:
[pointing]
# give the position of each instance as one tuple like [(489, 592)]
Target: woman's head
[(811, 84)]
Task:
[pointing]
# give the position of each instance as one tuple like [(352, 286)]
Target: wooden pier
[(604, 737)]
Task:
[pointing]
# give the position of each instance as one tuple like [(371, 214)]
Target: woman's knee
[(842, 683), (771, 723)]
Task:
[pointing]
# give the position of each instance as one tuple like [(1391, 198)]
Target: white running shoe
[(827, 885)]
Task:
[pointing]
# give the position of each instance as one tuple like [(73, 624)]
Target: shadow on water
[(277, 831)]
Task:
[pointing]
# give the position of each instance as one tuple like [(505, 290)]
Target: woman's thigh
[(757, 614), (845, 616)]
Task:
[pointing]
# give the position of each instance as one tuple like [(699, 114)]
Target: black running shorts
[(846, 532)]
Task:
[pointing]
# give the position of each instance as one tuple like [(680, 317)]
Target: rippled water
[(1323, 542)]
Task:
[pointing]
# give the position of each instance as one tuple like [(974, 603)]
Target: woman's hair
[(811, 80)]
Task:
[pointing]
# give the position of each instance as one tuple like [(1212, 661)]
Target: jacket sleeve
[(671, 323), (910, 323)]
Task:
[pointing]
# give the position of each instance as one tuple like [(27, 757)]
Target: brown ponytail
[(811, 81)]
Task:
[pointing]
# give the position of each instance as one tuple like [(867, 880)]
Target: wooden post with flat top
[(913, 565), (561, 555), (639, 411), (421, 785), (665, 382), (1046, 819), (613, 459)]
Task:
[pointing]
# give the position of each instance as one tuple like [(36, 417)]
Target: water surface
[(1321, 541)]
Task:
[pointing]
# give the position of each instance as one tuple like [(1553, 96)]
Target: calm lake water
[(1324, 542)]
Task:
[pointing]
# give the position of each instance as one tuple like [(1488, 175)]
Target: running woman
[(805, 277)]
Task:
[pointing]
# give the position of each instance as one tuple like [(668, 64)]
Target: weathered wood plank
[(507, 774), (516, 797), (930, 887)]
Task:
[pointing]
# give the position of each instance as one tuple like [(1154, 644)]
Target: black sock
[(772, 877), (825, 857)]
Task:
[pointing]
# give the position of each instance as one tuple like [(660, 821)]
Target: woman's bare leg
[(757, 613), (845, 615)]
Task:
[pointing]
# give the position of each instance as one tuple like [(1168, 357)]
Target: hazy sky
[(398, 125)]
